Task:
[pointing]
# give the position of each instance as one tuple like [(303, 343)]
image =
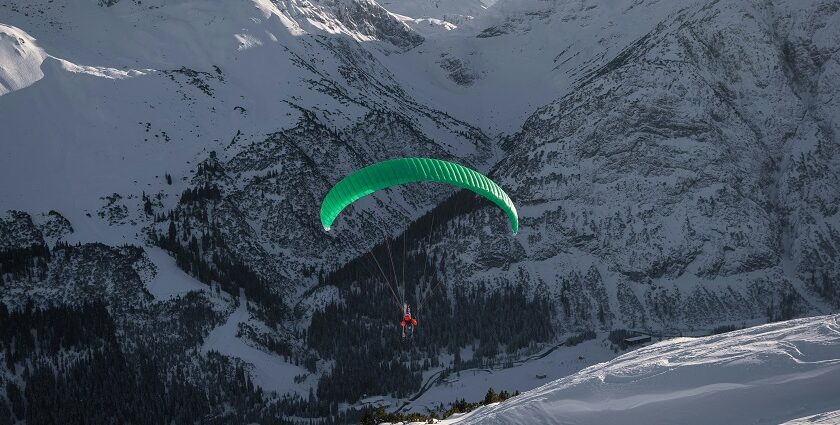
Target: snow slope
[(20, 59), (430, 17), (169, 281), (472, 384), (518, 55), (437, 8), (762, 375), (821, 418), (268, 370)]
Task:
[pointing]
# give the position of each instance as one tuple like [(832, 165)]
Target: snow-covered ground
[(169, 280), (425, 8), (515, 56), (270, 371), (473, 384), (822, 418), (21, 59), (769, 374)]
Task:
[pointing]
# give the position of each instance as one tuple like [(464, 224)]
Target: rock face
[(678, 170)]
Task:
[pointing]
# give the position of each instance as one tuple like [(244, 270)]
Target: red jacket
[(408, 319)]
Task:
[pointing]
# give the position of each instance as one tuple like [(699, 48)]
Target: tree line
[(65, 365)]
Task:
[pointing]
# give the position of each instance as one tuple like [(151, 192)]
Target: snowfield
[(20, 59), (769, 374), (472, 384), (169, 281)]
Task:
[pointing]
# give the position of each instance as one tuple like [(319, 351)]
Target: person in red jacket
[(407, 320)]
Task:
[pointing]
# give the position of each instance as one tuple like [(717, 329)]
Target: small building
[(636, 340)]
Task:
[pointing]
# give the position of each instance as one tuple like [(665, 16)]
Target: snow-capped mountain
[(675, 166), (675, 183), (770, 374), (225, 122), (430, 17), (271, 87)]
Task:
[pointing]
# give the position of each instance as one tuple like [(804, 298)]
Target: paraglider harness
[(407, 320)]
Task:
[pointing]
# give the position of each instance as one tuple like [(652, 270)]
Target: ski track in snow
[(763, 375), (270, 372), (827, 418)]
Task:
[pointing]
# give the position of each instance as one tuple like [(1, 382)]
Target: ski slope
[(785, 371)]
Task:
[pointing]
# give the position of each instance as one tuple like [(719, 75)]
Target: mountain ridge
[(674, 165)]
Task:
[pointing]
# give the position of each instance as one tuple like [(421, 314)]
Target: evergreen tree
[(491, 397)]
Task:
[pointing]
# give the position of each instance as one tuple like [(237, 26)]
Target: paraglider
[(407, 320), (409, 170), (399, 171)]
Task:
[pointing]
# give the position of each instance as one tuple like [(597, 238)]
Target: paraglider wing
[(408, 170)]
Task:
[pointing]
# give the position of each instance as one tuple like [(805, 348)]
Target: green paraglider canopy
[(408, 170)]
